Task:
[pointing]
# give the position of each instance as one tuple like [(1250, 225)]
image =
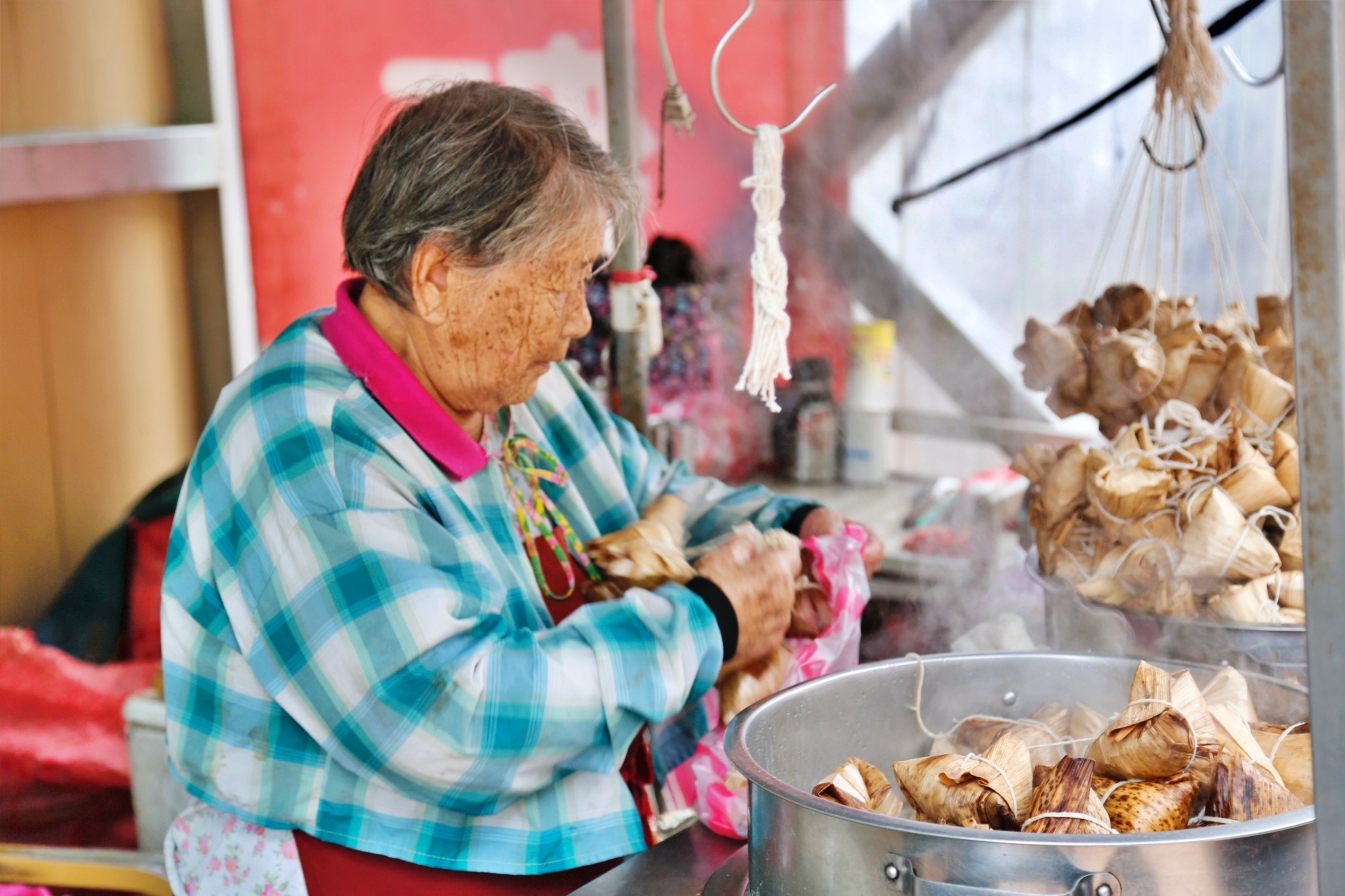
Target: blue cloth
[(355, 644)]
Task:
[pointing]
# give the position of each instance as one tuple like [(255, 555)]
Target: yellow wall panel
[(97, 399), (76, 64), (30, 543), (122, 387)]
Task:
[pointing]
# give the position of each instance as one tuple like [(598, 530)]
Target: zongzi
[(1165, 730), (1290, 753), (1067, 789), (959, 790), (1241, 791), (1161, 804), (1220, 543), (859, 785)]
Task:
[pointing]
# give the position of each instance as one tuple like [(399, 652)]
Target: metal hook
[(719, 101), (1241, 73), (1200, 129)]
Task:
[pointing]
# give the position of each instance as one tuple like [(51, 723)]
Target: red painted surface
[(311, 100)]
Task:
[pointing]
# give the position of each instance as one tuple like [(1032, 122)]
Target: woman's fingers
[(825, 521), (872, 553)]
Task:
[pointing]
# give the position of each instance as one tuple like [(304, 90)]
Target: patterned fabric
[(537, 516), (355, 644), (214, 853), (683, 366)]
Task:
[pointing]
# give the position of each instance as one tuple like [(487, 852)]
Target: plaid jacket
[(355, 645)]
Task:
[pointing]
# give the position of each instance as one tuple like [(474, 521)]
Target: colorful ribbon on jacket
[(539, 517)]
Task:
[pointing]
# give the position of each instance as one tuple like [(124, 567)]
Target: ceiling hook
[(719, 100), (1241, 73)]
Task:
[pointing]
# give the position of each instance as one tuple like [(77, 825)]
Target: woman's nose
[(577, 319)]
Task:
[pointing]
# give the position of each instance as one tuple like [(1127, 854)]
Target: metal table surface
[(679, 866)]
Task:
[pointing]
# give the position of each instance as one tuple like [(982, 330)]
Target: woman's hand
[(825, 521), (760, 585)]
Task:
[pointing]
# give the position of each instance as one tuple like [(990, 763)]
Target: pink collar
[(396, 388)]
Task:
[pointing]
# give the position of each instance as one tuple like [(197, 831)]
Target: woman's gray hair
[(496, 173)]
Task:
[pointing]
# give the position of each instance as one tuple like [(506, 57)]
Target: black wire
[(1219, 26)]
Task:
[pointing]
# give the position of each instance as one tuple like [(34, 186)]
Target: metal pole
[(1312, 92), (630, 368), (239, 295)]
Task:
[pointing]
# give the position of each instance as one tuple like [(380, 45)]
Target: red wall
[(310, 100)]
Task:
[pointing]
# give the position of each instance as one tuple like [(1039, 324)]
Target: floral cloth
[(683, 365), (214, 853)]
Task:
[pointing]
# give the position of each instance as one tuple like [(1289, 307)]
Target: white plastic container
[(156, 795), (866, 441)]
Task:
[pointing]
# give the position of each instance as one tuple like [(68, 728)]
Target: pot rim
[(735, 747)]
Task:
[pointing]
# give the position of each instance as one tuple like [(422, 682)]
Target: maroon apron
[(332, 870)]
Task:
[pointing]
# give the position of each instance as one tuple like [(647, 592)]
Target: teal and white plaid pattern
[(355, 645)]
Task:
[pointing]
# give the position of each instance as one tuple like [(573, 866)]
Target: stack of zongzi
[(1180, 515), (1173, 757)]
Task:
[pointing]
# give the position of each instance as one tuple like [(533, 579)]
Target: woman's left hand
[(825, 521)]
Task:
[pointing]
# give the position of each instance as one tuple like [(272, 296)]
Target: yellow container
[(871, 385)]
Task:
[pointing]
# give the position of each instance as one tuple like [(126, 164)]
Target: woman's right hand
[(760, 586)]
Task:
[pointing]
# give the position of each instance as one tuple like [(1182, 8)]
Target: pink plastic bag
[(707, 781)]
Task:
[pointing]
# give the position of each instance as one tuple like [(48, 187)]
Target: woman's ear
[(433, 278)]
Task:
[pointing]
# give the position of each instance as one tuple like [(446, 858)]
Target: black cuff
[(794, 522), (725, 616)]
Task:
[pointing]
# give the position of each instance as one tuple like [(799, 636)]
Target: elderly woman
[(379, 666)]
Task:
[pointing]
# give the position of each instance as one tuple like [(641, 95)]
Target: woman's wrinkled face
[(488, 338)]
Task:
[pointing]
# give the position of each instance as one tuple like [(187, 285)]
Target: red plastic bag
[(60, 718), (149, 551), (707, 781)]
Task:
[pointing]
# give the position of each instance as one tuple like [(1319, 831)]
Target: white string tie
[(1112, 789), (768, 356), (1078, 815), (972, 758), (1281, 516), (1279, 740), (1025, 722)]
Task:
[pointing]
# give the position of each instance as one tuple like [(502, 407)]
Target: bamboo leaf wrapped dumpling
[(1053, 358), (1242, 792), (1291, 755), (647, 553), (1219, 542), (1124, 367), (1143, 807), (1229, 686), (1062, 488), (859, 785), (1040, 731), (1166, 730), (968, 790), (1066, 790), (1253, 483), (1127, 491)]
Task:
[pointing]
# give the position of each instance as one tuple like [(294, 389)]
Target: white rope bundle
[(768, 356)]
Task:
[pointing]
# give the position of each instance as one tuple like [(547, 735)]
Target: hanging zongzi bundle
[(1220, 543)]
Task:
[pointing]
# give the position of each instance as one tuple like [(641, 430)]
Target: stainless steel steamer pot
[(804, 846), (1076, 624)]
